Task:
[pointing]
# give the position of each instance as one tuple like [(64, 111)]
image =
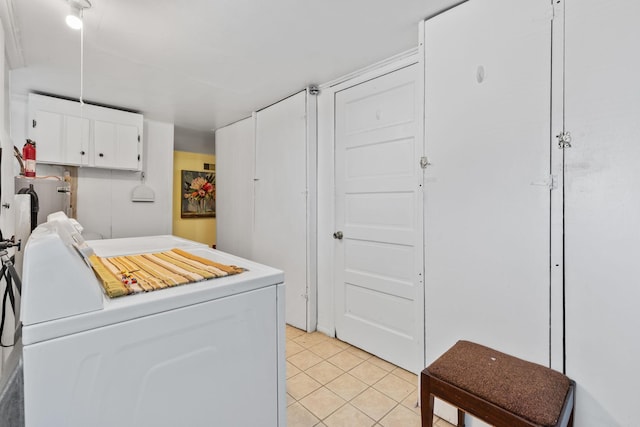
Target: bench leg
[(426, 402), (460, 418)]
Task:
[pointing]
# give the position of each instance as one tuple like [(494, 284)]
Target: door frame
[(326, 174), (557, 313)]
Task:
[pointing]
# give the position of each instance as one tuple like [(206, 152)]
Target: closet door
[(379, 293), (280, 225), (235, 162), (488, 88), (602, 209)]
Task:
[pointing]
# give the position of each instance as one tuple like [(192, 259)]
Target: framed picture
[(198, 194)]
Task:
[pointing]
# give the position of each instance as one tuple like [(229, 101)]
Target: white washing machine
[(210, 353)]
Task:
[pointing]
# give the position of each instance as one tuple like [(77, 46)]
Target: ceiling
[(202, 64)]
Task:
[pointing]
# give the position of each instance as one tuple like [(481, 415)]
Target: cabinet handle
[(101, 155)]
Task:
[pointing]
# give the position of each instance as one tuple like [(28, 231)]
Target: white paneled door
[(379, 283), (487, 109)]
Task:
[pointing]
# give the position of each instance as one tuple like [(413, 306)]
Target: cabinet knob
[(82, 153), (101, 155)]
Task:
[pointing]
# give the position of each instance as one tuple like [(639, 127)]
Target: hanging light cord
[(81, 61)]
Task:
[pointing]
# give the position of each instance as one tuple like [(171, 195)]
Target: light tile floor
[(333, 384)]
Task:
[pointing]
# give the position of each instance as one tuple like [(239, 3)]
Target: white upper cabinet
[(61, 135), (68, 134), (115, 145)]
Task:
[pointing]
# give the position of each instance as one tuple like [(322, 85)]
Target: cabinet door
[(127, 153), (115, 145), (47, 131), (76, 140), (104, 144)]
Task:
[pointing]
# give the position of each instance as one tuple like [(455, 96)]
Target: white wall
[(7, 145), (104, 196), (194, 141), (4, 167)]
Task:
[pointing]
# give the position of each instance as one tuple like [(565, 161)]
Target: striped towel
[(131, 274)]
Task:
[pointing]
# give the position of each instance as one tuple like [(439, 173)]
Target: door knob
[(338, 235)]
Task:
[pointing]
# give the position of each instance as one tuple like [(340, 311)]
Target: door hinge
[(34, 123), (564, 139), (138, 138), (551, 182), (424, 162)]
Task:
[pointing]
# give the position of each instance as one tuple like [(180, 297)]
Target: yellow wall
[(201, 230)]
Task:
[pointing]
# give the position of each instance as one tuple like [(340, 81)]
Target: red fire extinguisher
[(29, 157)]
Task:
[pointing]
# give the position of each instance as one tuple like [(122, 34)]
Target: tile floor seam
[(387, 394), (387, 413), (314, 414)]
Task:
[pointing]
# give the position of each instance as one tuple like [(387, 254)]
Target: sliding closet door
[(235, 145), (602, 209), (280, 236), (487, 207)]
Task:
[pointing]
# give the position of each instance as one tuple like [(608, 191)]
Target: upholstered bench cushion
[(531, 391)]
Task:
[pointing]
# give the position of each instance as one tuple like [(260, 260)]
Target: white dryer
[(210, 353)]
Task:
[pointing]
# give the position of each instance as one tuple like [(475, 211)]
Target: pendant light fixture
[(74, 18)]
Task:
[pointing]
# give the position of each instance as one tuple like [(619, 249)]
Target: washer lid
[(56, 280)]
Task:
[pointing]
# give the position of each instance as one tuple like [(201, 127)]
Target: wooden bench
[(499, 389)]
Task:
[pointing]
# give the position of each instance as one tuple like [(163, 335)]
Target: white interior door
[(602, 209), (379, 283), (487, 109), (280, 222)]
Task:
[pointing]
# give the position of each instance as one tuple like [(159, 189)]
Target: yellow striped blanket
[(130, 274)]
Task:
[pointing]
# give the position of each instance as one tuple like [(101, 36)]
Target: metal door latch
[(564, 139), (551, 182), (424, 162)]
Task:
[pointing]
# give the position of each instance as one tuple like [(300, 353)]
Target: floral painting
[(198, 194)]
